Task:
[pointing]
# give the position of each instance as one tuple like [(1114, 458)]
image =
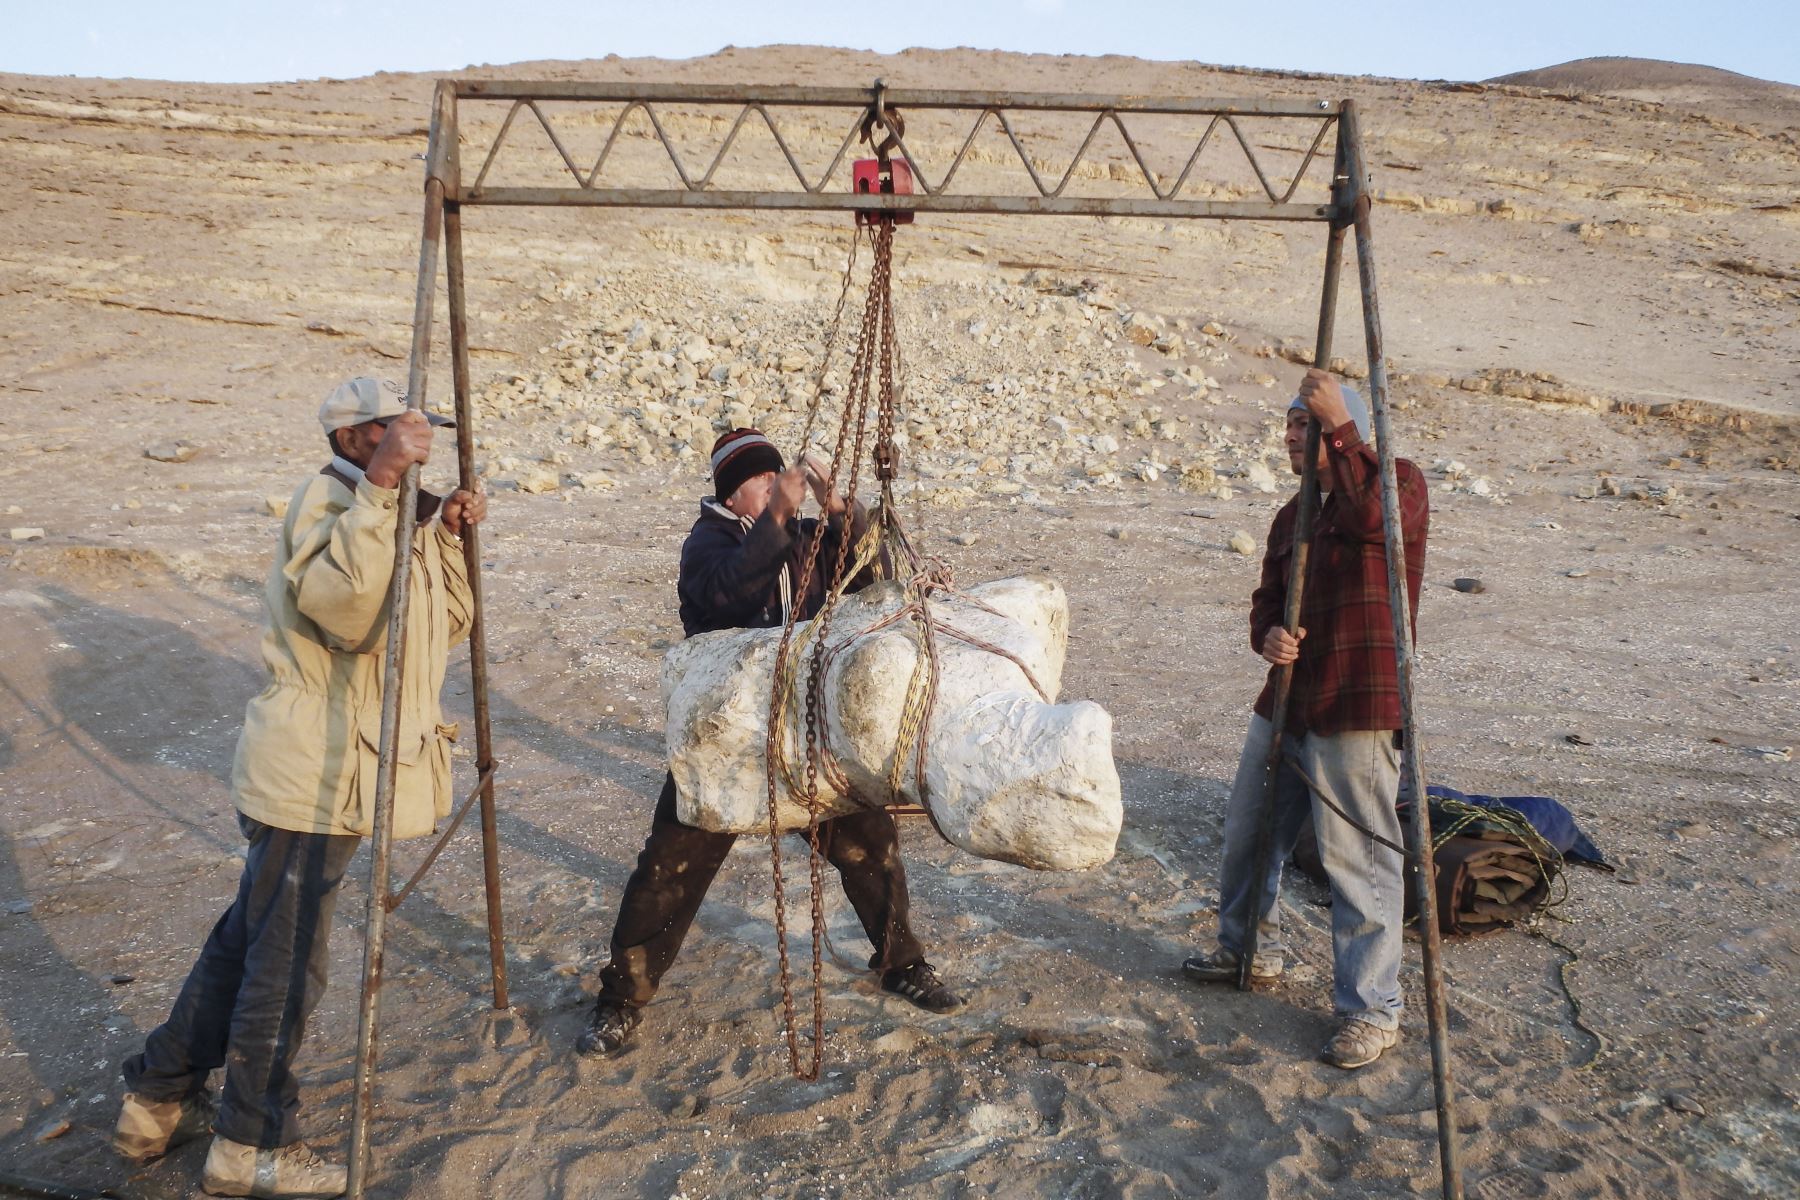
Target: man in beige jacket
[(304, 785)]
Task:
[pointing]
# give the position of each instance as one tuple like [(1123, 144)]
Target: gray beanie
[(1359, 412)]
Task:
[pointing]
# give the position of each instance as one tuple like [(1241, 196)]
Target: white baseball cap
[(363, 399)]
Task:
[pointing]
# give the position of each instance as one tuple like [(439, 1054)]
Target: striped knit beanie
[(739, 455)]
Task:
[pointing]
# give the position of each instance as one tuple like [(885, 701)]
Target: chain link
[(870, 346), (875, 380)]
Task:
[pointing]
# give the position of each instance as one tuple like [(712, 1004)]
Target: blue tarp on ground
[(1553, 821)]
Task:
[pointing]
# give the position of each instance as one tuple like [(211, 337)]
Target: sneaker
[(608, 1029), (1220, 965), (920, 984), (1357, 1044), (149, 1129), (234, 1169)]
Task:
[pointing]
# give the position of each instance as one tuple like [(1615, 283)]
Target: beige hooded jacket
[(306, 760)]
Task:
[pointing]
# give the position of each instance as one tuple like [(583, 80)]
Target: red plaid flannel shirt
[(1345, 678)]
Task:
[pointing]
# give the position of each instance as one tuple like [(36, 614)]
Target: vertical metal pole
[(1303, 539), (471, 540), (1436, 1009), (394, 667)]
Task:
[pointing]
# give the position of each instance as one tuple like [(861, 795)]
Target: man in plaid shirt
[(1342, 739)]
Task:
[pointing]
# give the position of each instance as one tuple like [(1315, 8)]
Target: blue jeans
[(1360, 771), (245, 1003)]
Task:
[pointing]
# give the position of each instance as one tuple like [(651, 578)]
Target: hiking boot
[(1357, 1044), (234, 1169), (608, 1029), (920, 984), (149, 1129), (1220, 965)]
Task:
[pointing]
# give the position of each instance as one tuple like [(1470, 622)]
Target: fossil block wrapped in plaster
[(1008, 774)]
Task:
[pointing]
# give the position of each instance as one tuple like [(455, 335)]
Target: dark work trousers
[(245, 1003), (678, 863)]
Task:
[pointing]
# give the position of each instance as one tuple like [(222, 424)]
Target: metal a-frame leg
[(443, 135), (471, 540), (1436, 1007), (1303, 540)]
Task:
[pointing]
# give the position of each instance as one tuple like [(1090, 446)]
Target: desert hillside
[(1590, 280)]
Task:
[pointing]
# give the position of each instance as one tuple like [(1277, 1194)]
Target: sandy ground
[(208, 279)]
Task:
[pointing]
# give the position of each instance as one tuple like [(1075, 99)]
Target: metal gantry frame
[(446, 195)]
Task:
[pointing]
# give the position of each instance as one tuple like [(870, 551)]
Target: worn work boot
[(920, 984), (1220, 965), (608, 1029), (234, 1169), (149, 1129), (1357, 1044)]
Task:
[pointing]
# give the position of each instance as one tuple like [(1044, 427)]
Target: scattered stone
[(686, 1106), (1681, 1102), (903, 1040), (539, 481), (121, 979), (276, 503), (51, 1130), (1119, 533), (1587, 491), (1469, 584), (1578, 739), (1774, 754), (1577, 573), (27, 534), (1610, 486), (1243, 543), (1260, 477), (1202, 514), (18, 908), (965, 538), (172, 452)]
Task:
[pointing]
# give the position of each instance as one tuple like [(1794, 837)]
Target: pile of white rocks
[(1011, 388)]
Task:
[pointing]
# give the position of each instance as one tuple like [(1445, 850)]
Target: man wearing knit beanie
[(741, 455), (740, 567)]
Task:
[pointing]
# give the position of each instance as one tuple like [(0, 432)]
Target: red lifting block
[(866, 177)]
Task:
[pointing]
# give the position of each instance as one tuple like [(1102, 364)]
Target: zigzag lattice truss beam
[(1158, 195)]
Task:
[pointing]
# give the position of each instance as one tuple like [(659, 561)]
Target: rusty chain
[(855, 416), (876, 374)]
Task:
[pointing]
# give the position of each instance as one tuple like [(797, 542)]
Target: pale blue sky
[(250, 40)]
